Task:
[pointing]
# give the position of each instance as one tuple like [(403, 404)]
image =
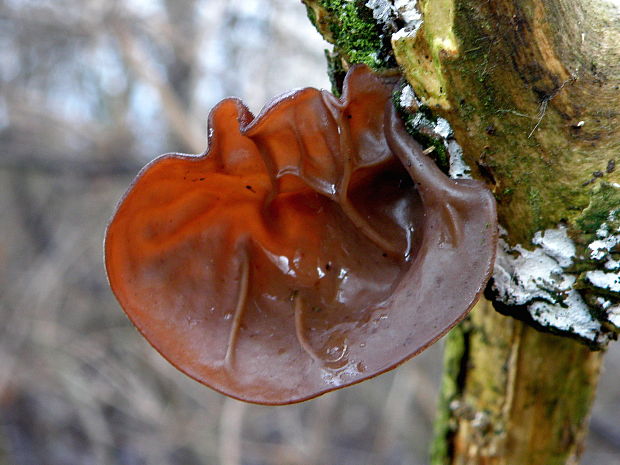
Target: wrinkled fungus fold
[(309, 248)]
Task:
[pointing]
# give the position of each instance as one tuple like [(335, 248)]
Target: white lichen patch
[(406, 31), (613, 315), (437, 128), (521, 275), (612, 264), (607, 277), (603, 230), (573, 316), (613, 311), (600, 248), (603, 303), (556, 244), (608, 281), (442, 128), (408, 99), (538, 280), (458, 168), (382, 10), (407, 10), (386, 12)]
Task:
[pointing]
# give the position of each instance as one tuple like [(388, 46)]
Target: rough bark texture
[(532, 92), (512, 394)]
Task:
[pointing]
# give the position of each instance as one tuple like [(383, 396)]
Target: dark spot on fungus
[(200, 267), (611, 166)]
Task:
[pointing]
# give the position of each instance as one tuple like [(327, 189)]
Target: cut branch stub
[(298, 255)]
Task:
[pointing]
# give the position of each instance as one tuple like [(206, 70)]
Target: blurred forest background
[(90, 90)]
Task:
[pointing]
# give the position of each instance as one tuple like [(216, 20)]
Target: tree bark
[(531, 90), (512, 394)]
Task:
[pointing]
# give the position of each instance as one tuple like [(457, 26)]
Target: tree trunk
[(531, 90), (512, 394)]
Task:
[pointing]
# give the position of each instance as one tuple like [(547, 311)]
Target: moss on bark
[(350, 26), (518, 108)]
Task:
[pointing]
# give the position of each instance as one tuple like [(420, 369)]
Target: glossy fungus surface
[(309, 248)]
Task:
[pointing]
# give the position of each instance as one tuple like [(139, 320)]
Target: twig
[(231, 424), (545, 103), (395, 409), (59, 167), (139, 63)]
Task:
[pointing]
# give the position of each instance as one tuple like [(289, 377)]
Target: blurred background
[(90, 90)]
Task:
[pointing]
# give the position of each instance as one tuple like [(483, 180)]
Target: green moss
[(605, 198), (350, 26), (535, 203), (439, 154), (356, 34), (477, 60)]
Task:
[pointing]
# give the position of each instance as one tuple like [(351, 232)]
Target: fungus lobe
[(307, 249)]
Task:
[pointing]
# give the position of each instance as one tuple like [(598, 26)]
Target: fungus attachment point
[(308, 257)]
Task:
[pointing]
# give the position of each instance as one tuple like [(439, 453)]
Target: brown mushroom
[(298, 254)]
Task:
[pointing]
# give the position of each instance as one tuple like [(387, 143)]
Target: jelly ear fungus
[(308, 249)]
